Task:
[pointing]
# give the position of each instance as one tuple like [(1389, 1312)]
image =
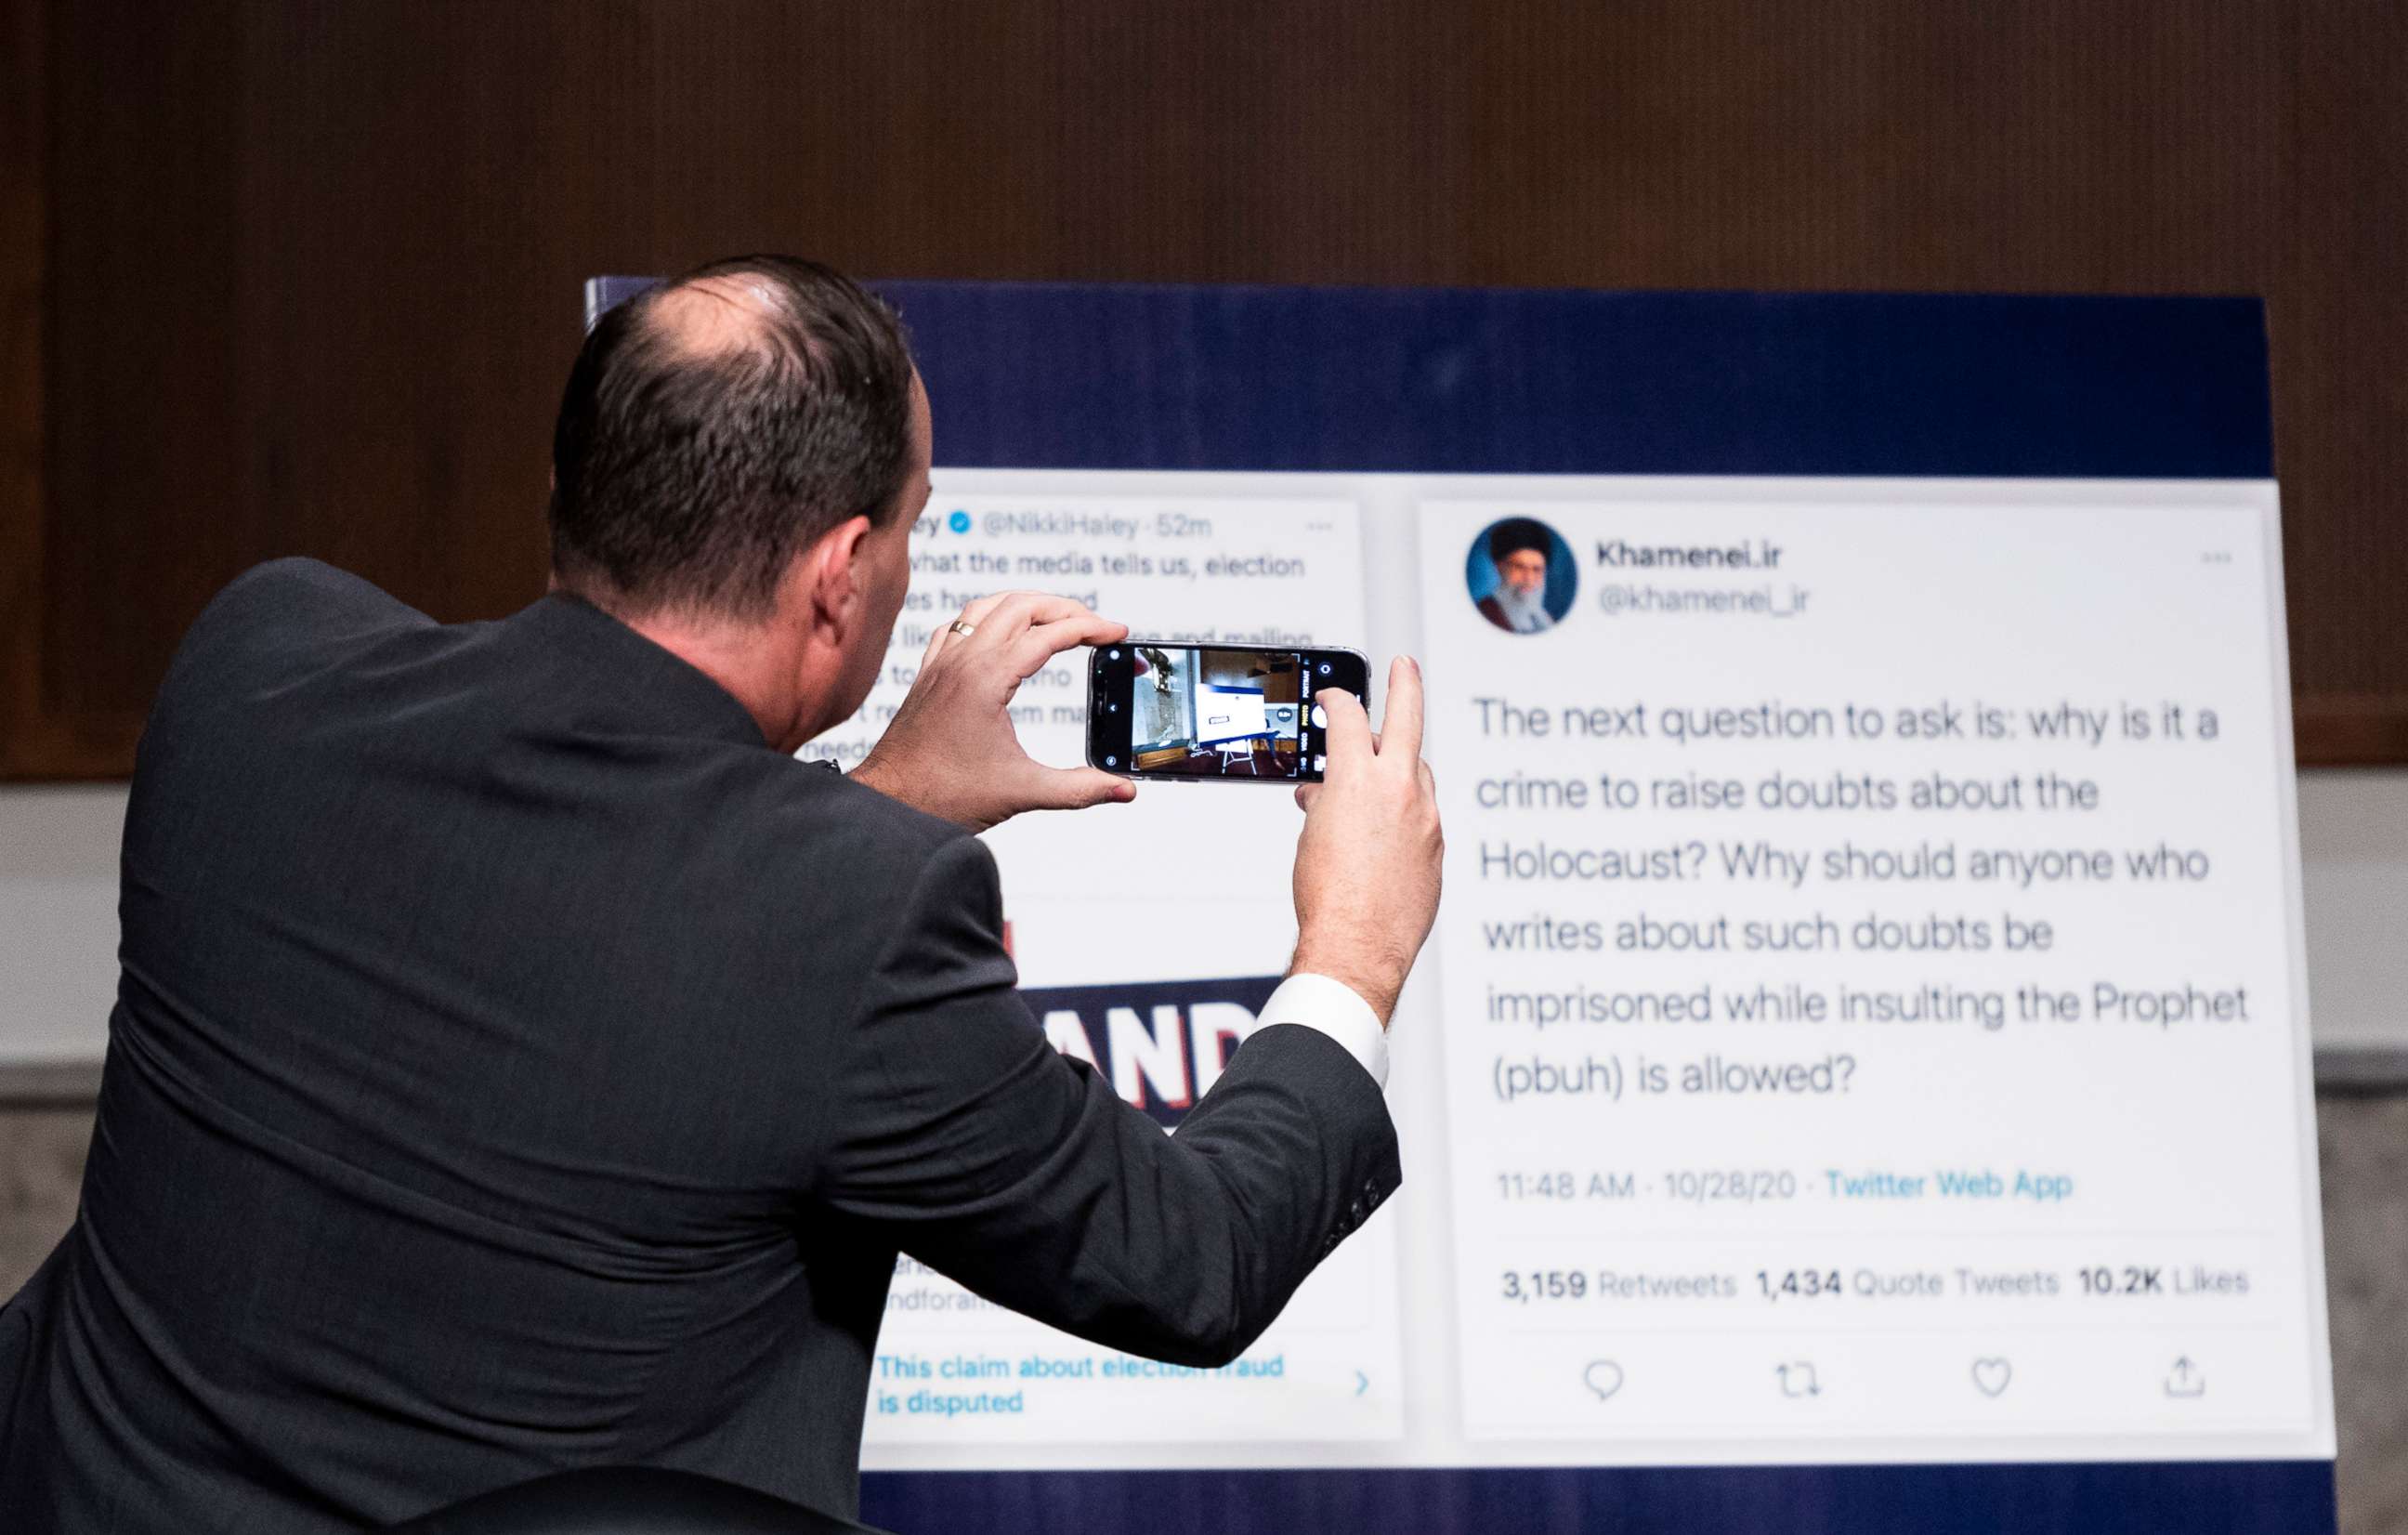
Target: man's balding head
[(719, 424), (727, 315)]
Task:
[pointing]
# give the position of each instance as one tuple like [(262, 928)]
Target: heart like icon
[(1992, 1375), (1603, 1376)]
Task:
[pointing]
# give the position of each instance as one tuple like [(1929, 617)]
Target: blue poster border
[(1446, 381), (2170, 1498)]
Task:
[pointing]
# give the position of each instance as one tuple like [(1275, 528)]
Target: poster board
[(2013, 1223)]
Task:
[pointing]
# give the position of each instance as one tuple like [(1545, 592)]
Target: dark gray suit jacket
[(517, 1065)]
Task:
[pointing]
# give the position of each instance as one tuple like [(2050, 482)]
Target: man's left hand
[(951, 749)]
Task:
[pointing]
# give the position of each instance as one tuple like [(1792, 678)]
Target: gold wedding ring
[(960, 627)]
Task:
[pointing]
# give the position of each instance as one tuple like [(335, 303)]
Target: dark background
[(295, 277)]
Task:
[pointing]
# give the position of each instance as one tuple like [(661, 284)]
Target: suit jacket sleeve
[(993, 1159)]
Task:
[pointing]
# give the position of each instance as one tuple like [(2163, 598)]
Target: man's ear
[(831, 574)]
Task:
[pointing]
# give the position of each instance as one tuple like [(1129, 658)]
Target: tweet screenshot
[(1866, 1017), (1871, 1008), (1147, 935)]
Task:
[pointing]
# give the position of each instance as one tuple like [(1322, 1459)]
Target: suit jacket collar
[(668, 692)]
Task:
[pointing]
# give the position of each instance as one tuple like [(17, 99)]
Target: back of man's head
[(717, 426)]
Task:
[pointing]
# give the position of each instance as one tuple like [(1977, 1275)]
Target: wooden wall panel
[(310, 272), (2340, 396)]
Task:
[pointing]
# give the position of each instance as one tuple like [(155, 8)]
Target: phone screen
[(1239, 712)]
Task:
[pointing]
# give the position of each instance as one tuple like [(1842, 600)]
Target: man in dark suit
[(520, 1062)]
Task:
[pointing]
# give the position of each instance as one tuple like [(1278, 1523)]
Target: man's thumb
[(1076, 788)]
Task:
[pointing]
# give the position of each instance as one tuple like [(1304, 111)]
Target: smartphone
[(1242, 713)]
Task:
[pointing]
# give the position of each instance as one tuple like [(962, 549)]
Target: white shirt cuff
[(1332, 1007)]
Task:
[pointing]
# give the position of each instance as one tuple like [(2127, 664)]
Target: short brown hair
[(690, 477)]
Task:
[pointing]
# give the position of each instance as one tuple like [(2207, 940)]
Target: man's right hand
[(952, 750), (1366, 867)]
